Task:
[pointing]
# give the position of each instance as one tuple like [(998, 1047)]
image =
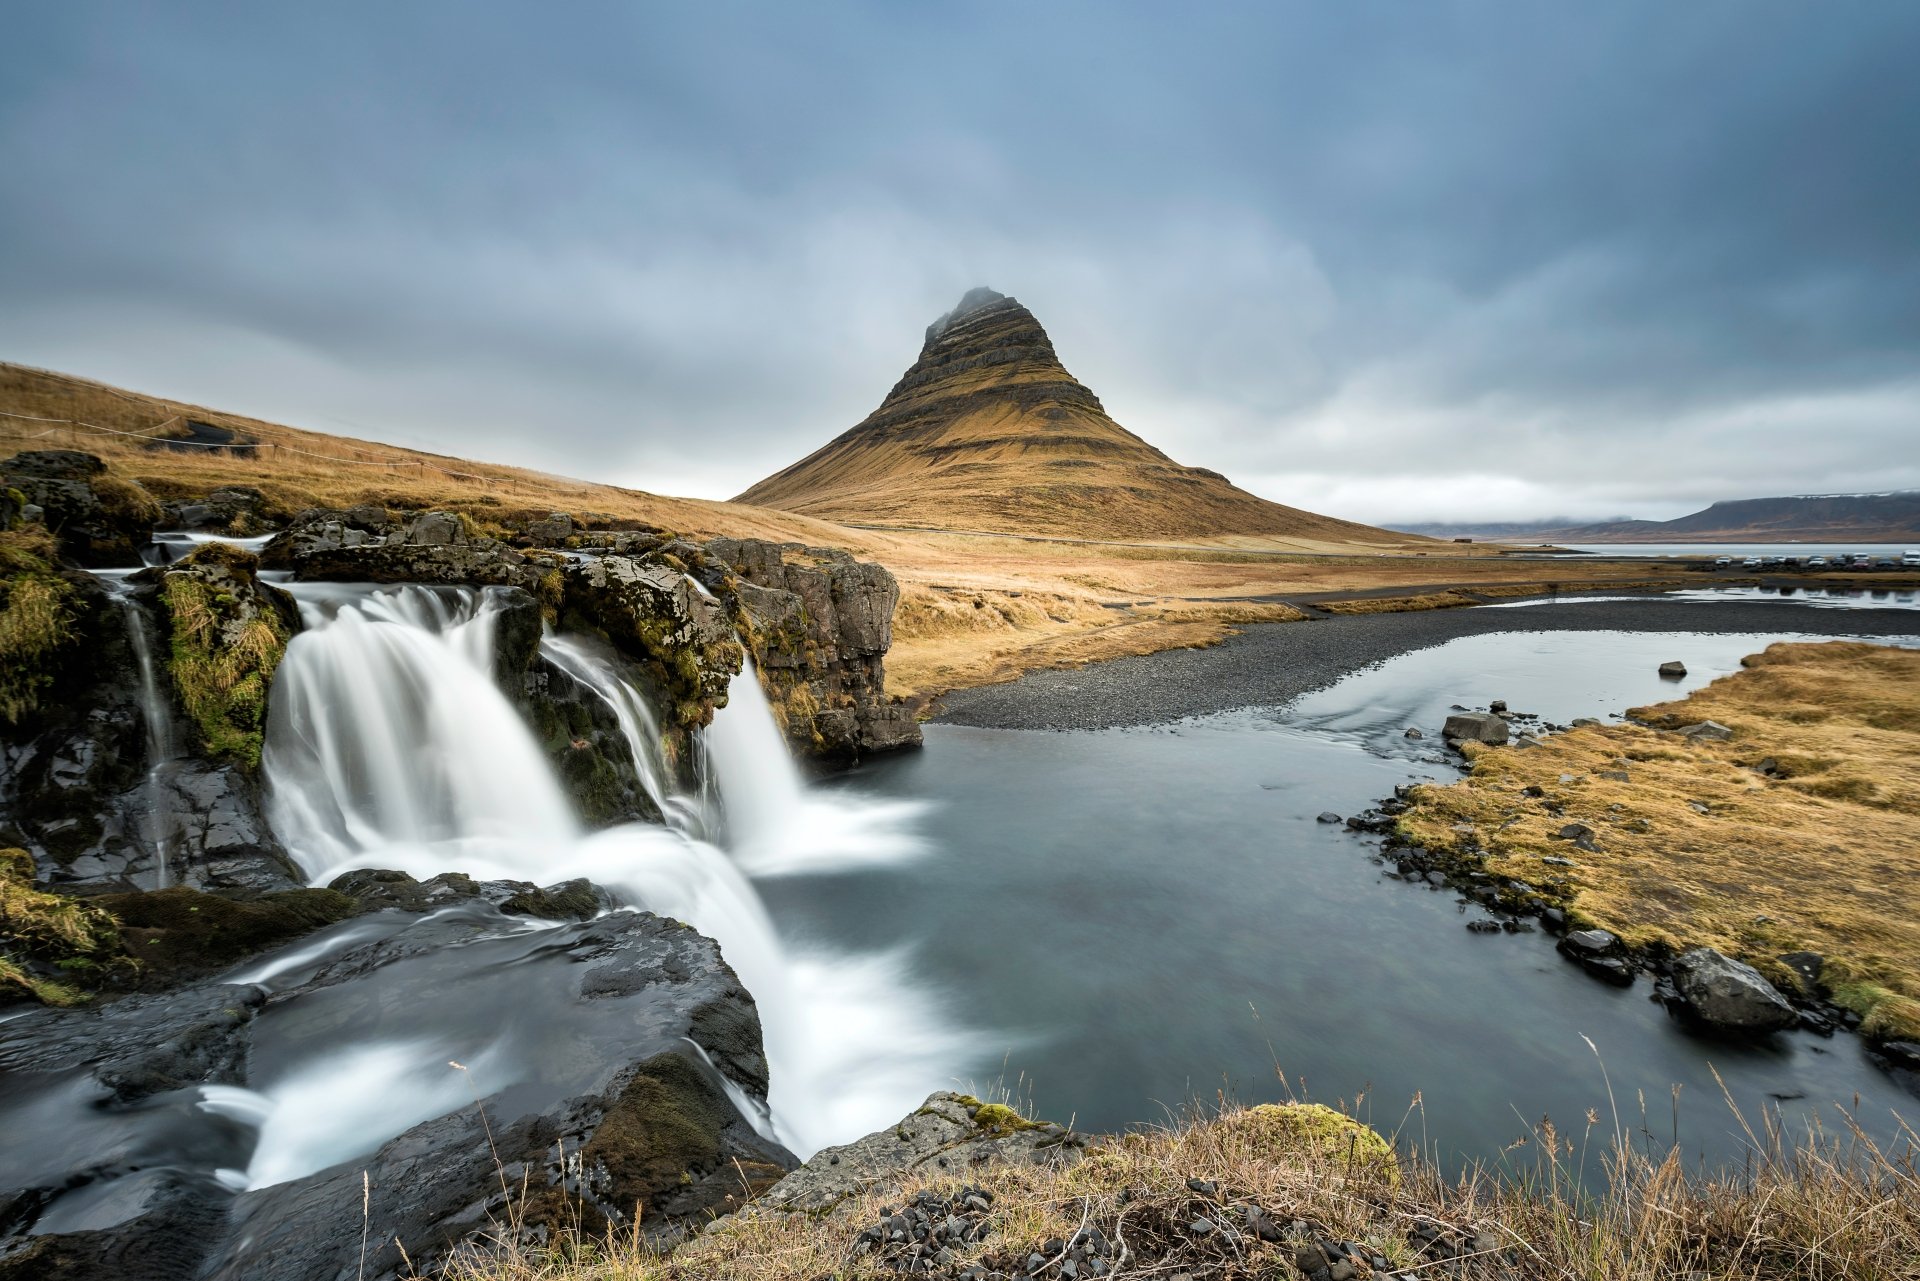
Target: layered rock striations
[(988, 431)]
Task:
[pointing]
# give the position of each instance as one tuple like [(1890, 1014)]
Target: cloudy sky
[(1387, 260)]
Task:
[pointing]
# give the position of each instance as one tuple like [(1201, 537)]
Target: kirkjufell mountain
[(988, 431)]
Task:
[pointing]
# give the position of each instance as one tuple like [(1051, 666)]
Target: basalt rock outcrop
[(643, 1037), (820, 623), (99, 519)]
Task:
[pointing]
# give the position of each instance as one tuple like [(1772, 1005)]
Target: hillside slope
[(988, 431), (178, 450)]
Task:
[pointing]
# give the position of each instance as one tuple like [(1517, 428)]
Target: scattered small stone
[(1328, 816), (1698, 807), (1584, 722), (1413, 732), (1498, 707), (1614, 775), (1484, 926), (1554, 860), (1709, 731)]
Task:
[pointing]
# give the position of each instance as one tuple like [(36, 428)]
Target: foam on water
[(390, 746)]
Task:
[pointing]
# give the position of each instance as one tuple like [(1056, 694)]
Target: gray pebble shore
[(1271, 663)]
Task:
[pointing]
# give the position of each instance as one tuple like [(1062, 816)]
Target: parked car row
[(1844, 560)]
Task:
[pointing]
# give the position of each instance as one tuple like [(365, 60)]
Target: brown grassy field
[(1045, 601), (1816, 853), (1818, 1209)]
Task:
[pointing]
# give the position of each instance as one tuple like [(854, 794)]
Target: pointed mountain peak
[(988, 431), (976, 299)]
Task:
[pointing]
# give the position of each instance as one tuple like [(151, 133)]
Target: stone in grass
[(1712, 731), (1674, 670), (1728, 995), (1615, 775)]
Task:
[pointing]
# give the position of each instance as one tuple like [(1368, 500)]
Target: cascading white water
[(389, 745), (776, 825), (154, 710)]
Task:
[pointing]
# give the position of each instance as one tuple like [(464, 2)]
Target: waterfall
[(389, 745), (777, 825), (157, 713)]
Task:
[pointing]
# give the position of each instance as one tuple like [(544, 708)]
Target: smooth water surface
[(1145, 917)]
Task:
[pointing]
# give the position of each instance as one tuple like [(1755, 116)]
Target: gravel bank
[(1274, 662)]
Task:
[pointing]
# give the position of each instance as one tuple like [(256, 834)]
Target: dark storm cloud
[(1415, 261)]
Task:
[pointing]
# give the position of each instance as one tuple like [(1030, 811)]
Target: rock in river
[(1474, 727), (1728, 995)]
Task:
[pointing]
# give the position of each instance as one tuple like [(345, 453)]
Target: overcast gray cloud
[(1391, 261)]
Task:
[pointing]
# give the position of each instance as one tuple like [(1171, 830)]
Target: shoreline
[(1273, 663)]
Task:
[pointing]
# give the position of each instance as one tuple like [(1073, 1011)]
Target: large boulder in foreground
[(953, 1133), (1729, 996)]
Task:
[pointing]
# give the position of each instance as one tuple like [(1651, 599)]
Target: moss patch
[(178, 933), (1321, 1133), (42, 932), (227, 641), (37, 620)]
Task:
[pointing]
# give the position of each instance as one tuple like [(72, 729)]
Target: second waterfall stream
[(389, 745)]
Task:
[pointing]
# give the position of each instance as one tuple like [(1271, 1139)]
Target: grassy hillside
[(166, 446)]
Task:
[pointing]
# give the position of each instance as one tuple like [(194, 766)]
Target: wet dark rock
[(1673, 670), (654, 1128), (1328, 816), (74, 787), (1806, 968), (1728, 995)]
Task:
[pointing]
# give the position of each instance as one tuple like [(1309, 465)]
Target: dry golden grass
[(1819, 856), (1567, 1208), (1095, 599), (1398, 604), (298, 469)]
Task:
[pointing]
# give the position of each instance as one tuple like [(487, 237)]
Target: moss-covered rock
[(1319, 1131), (227, 631), (52, 948), (670, 1147), (679, 638), (180, 933)]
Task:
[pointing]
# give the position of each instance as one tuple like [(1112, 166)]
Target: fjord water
[(1145, 917)]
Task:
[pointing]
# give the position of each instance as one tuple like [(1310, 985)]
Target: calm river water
[(1127, 921)]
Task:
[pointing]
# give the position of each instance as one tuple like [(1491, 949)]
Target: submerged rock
[(1728, 995), (1673, 670)]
